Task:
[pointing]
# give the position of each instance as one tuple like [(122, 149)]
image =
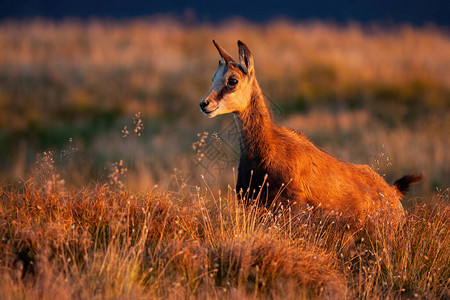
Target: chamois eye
[(232, 82)]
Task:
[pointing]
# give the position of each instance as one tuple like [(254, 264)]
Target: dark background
[(385, 11)]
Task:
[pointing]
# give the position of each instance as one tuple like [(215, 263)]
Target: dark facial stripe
[(223, 91)]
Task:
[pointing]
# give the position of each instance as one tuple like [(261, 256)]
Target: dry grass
[(104, 242)]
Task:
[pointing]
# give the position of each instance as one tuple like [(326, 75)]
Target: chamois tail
[(403, 184)]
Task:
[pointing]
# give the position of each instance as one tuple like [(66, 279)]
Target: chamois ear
[(225, 56), (245, 58)]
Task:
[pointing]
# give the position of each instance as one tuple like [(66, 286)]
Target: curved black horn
[(226, 57)]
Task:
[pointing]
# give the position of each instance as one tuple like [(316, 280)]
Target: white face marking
[(230, 92)]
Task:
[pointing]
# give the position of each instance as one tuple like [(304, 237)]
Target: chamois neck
[(255, 126)]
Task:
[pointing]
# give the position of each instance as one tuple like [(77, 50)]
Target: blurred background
[(108, 90)]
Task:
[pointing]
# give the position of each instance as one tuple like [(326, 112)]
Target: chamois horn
[(224, 54)]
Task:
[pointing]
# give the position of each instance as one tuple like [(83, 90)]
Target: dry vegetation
[(104, 242), (73, 225)]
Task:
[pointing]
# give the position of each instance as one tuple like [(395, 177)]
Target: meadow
[(114, 185)]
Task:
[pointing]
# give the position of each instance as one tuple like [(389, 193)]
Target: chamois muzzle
[(203, 105), (207, 107)]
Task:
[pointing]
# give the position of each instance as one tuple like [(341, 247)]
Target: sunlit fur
[(297, 171)]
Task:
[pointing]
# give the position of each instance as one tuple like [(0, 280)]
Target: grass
[(102, 241)]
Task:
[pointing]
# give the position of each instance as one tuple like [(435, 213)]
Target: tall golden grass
[(106, 242)]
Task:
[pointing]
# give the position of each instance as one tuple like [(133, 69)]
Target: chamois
[(283, 165)]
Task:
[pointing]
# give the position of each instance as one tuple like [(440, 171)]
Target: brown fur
[(296, 169)]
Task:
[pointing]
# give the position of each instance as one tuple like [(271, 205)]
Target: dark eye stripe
[(222, 92)]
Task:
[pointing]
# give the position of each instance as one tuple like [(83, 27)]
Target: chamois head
[(232, 83)]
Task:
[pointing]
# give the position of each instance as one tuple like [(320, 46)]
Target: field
[(114, 185)]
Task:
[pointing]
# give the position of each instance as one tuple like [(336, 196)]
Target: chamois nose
[(204, 104)]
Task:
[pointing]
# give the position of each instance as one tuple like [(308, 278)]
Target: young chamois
[(286, 164)]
